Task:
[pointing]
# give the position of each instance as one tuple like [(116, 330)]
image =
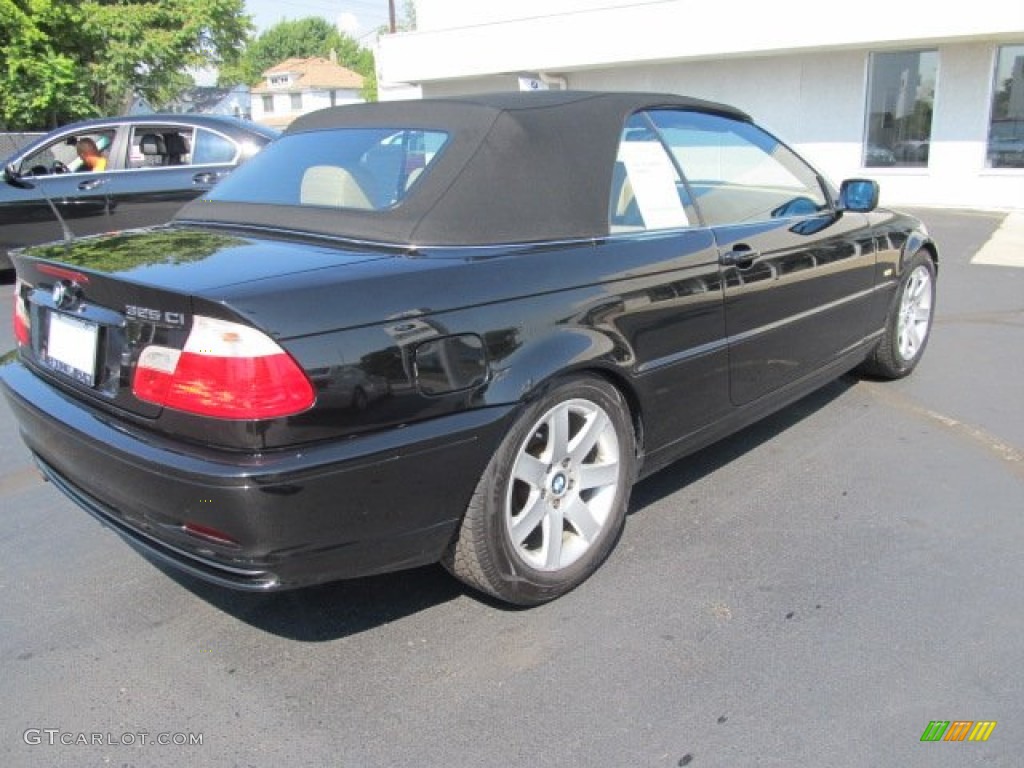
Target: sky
[(359, 18)]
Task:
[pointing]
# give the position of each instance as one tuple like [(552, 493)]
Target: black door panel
[(797, 280), (147, 196), (82, 199), (673, 322), (801, 303)]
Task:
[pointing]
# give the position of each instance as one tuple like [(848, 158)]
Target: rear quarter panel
[(645, 311)]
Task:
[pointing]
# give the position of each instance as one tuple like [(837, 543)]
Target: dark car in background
[(453, 330), (154, 165)]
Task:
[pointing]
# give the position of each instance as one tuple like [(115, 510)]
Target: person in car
[(90, 155)]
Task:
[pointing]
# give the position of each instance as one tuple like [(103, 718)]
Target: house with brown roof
[(297, 86)]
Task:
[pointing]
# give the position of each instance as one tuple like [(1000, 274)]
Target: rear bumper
[(303, 516)]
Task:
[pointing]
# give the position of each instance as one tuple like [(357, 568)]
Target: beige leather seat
[(625, 213), (334, 187)]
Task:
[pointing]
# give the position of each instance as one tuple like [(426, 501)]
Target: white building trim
[(799, 67), (456, 40)]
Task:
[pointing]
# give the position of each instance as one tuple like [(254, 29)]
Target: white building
[(926, 97), (297, 86)]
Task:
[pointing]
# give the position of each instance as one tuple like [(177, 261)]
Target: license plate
[(71, 347)]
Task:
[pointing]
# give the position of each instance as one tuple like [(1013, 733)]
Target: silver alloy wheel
[(915, 313), (563, 487)]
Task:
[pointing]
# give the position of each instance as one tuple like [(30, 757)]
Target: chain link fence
[(11, 142)]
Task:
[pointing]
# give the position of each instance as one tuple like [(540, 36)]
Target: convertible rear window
[(356, 168)]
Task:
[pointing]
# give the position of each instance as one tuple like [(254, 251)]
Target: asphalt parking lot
[(811, 592)]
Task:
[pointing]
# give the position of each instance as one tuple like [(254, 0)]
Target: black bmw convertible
[(451, 330)]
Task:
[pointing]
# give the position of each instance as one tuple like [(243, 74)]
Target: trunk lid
[(93, 305), (183, 259)]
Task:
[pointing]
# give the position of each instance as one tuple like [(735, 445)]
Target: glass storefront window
[(901, 97), (1006, 129)]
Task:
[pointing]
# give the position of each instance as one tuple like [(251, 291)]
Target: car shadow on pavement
[(333, 611)]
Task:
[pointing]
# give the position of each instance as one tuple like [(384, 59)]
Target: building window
[(268, 103), (901, 97), (1006, 130), (296, 102)]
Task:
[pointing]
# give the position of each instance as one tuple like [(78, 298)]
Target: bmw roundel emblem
[(63, 294)]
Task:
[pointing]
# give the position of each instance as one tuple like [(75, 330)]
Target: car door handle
[(92, 184), (206, 177), (741, 256)]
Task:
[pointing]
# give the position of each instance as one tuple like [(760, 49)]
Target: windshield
[(363, 169)]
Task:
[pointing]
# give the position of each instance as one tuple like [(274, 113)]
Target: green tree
[(407, 22), (61, 61), (301, 38), (41, 80)]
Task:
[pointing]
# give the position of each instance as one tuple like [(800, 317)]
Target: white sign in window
[(655, 184)]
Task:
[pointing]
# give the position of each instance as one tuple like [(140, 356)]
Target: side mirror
[(859, 195), (12, 177)]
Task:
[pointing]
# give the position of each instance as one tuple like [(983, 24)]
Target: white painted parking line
[(1006, 246)]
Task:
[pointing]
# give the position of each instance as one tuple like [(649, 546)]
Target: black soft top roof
[(519, 167)]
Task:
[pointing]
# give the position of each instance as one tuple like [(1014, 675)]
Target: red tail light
[(210, 534), (22, 323), (226, 370)]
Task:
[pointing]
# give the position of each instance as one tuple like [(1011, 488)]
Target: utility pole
[(391, 16)]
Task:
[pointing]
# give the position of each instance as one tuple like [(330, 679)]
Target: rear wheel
[(359, 399), (909, 323), (551, 503)]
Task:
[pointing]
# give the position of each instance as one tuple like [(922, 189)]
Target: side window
[(737, 172), (159, 146), (647, 192), (213, 148), (77, 153)]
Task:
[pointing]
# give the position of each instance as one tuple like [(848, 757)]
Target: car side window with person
[(77, 153), (117, 173)]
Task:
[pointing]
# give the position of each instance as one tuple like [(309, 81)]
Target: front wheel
[(909, 323), (551, 503)]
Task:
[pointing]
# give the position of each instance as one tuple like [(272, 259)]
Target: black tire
[(909, 323), (359, 399), (534, 484)]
